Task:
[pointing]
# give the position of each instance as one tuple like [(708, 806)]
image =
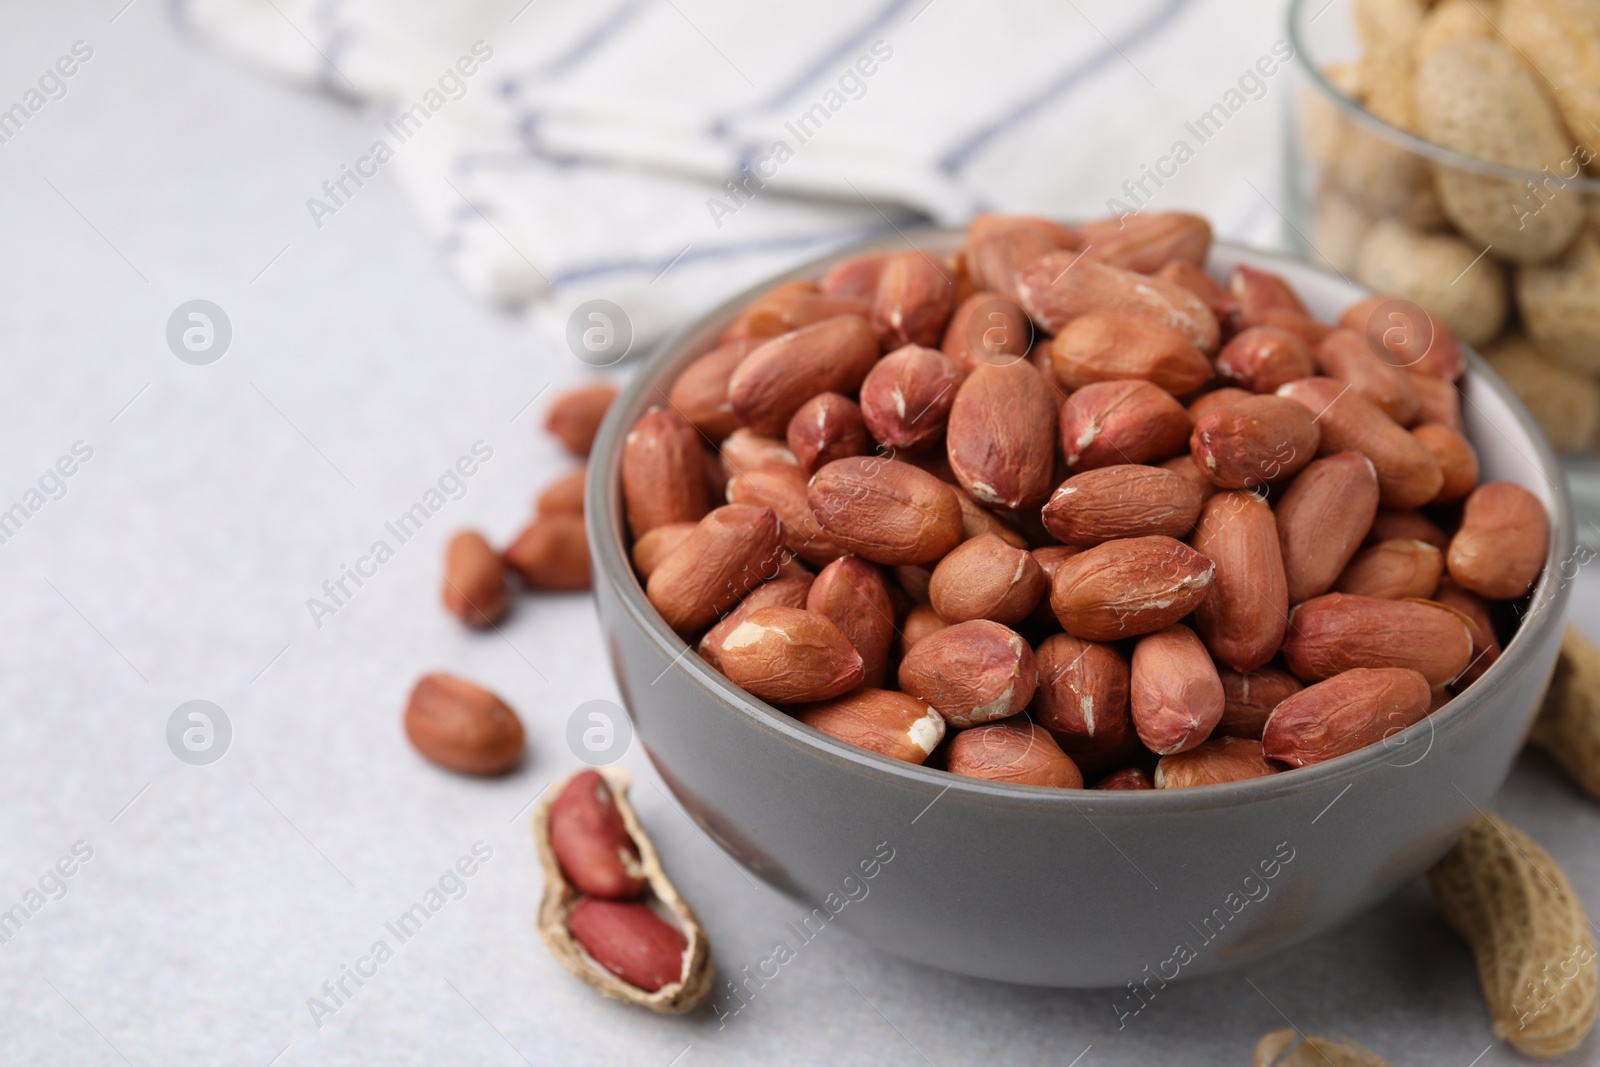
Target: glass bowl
[(1508, 257)]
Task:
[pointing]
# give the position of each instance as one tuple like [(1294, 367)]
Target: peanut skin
[(1407, 525), (855, 595), (1148, 242), (1349, 711), (788, 307), (591, 842), (1485, 643), (971, 672), (1217, 398), (1408, 475), (1014, 751), (657, 545), (1338, 632), (1222, 759), (880, 720), (921, 621), (1062, 286), (985, 578), (769, 385), (563, 494), (827, 427), (907, 396), (1410, 337), (1243, 618), (789, 592), (885, 511), (1263, 358), (1456, 458), (1402, 569), (1260, 292), (1322, 519), (976, 520), (1347, 356), (1254, 443), (701, 392), (463, 726), (987, 328), (1175, 693), (1001, 436), (914, 299), (1107, 345), (856, 277), (631, 941), (1000, 248), (1500, 548), (663, 472), (1082, 700), (731, 551), (783, 489), (1132, 586), (1125, 500), (552, 553), (790, 656), (575, 415), (475, 589), (1126, 778), (1250, 698), (1121, 422)]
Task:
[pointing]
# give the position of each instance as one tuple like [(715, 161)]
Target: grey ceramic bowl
[(1069, 888)]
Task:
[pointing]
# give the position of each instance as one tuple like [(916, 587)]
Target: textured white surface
[(177, 566)]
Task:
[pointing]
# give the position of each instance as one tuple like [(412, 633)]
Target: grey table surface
[(175, 564)]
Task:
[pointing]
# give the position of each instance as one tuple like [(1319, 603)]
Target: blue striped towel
[(660, 153)]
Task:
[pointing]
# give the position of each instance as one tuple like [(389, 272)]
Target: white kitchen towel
[(660, 153)]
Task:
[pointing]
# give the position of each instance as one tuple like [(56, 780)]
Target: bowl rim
[(613, 565), (1306, 58)]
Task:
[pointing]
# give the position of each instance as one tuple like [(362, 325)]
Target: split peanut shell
[(561, 897)]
